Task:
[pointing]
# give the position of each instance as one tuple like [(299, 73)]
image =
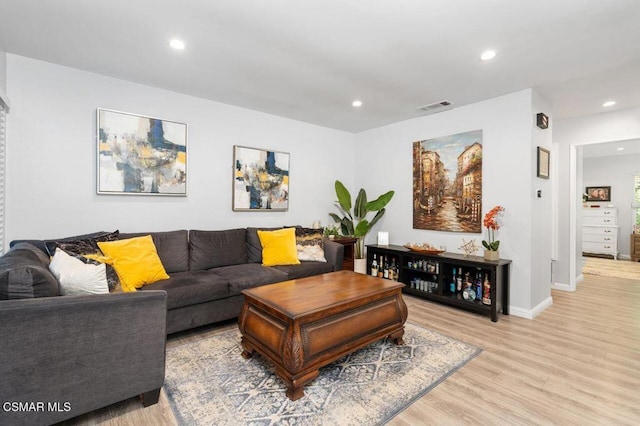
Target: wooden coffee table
[(302, 325)]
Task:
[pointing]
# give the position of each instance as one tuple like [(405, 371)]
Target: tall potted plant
[(356, 223)]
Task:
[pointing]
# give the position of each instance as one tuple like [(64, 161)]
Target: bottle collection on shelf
[(461, 283), (385, 269), (471, 289)]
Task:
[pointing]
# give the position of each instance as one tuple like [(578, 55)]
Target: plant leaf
[(344, 197), (362, 228), (360, 207), (335, 217), (380, 202), (346, 226), (376, 218), (486, 245)]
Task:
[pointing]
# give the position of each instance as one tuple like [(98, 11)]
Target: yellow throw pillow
[(279, 247), (135, 260)]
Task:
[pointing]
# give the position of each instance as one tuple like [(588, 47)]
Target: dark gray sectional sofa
[(209, 270), (69, 355)]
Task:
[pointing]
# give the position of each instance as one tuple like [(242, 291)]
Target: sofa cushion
[(241, 277), (135, 260), (305, 269), (211, 249), (310, 245), (172, 247), (254, 248), (24, 273), (191, 288), (279, 247)]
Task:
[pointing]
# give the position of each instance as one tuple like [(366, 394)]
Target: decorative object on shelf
[(542, 120), (451, 203), (361, 208), (383, 238), (543, 163), (598, 193), (260, 179), (469, 247), (332, 231), (491, 223), (140, 155), (425, 248)]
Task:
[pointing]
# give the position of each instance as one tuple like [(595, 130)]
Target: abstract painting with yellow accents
[(140, 155), (260, 179)]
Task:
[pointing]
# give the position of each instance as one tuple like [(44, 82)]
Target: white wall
[(3, 72), (384, 161), (52, 157), (616, 171), (567, 135)]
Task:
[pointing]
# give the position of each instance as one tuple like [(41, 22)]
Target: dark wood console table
[(430, 276)]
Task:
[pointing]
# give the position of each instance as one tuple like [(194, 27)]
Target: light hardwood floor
[(577, 363)]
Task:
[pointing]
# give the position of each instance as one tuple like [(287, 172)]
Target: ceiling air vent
[(436, 107)]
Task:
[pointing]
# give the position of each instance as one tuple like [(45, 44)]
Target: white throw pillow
[(76, 277)]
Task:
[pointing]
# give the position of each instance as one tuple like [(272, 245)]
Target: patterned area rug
[(209, 383), (611, 268)]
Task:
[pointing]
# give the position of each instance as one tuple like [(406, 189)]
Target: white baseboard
[(579, 278), (561, 287), (531, 313)]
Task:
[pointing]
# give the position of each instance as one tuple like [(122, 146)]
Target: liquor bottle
[(392, 269), (374, 266), (381, 267), (486, 294), (385, 274), (452, 286), (478, 286), (459, 281)]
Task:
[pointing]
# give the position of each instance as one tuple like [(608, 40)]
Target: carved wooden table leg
[(397, 337)]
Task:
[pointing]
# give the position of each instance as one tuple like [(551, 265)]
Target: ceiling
[(609, 149), (308, 60)]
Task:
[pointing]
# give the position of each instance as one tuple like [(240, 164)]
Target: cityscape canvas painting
[(260, 180), (141, 155), (447, 183)]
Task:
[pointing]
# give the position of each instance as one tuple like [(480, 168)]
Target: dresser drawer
[(599, 230), (592, 247), (599, 220), (600, 212), (594, 238)]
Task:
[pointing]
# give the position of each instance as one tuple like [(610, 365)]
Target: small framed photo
[(543, 163), (383, 238), (598, 193)]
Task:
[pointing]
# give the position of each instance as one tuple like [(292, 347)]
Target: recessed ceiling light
[(489, 54), (357, 104), (609, 103), (620, 149), (177, 44)]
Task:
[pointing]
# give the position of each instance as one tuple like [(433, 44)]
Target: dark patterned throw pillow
[(309, 245)]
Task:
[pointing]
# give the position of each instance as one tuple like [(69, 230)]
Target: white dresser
[(600, 231)]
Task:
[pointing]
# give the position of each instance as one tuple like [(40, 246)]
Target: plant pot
[(491, 255), (360, 266)]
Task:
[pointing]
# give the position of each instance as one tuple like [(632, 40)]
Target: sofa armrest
[(334, 253), (75, 354)]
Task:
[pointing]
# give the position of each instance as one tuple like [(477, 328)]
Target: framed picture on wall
[(260, 179), (598, 193), (543, 163), (140, 155)]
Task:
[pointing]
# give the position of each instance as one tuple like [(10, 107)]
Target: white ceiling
[(608, 149), (308, 60)]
